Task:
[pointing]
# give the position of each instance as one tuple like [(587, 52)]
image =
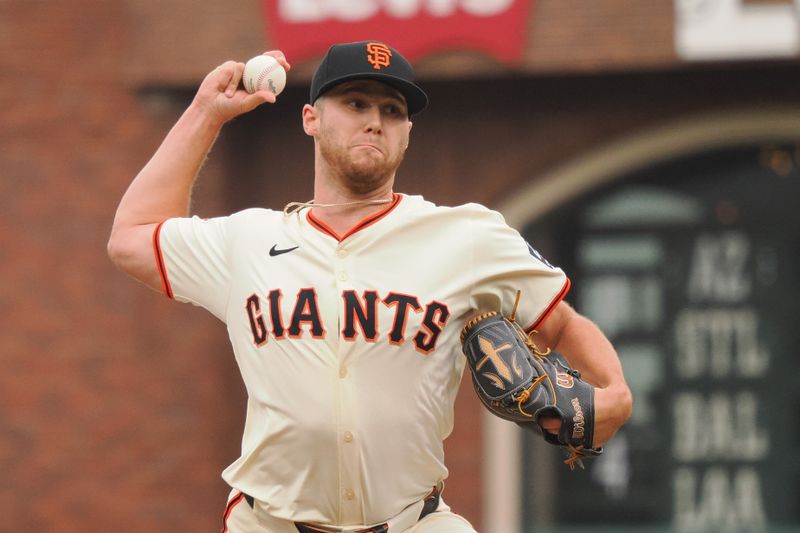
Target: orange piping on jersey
[(368, 221), (229, 509), (162, 268), (322, 226), (560, 296)]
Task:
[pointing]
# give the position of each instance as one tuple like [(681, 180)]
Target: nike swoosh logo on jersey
[(276, 251)]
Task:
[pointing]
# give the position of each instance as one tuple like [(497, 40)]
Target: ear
[(408, 134), (310, 120)]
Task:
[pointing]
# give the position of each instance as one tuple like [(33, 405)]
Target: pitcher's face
[(363, 133)]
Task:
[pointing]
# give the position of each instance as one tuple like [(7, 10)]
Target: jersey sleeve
[(504, 263), (193, 263)]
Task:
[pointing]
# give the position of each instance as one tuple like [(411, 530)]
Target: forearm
[(163, 188), (589, 351)]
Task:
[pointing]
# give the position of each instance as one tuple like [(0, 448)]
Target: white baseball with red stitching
[(264, 73)]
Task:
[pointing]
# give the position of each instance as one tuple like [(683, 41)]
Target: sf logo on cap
[(379, 55)]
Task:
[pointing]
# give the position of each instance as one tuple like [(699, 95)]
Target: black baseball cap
[(368, 60)]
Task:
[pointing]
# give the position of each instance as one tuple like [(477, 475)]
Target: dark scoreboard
[(692, 268)]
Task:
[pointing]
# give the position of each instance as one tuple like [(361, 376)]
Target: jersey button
[(349, 494), (342, 276), (348, 437), (342, 252), (343, 372)]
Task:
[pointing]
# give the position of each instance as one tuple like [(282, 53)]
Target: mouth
[(368, 146)]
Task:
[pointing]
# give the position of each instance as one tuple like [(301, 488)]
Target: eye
[(356, 103), (394, 110)]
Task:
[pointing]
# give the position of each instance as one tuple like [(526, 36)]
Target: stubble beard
[(361, 176)]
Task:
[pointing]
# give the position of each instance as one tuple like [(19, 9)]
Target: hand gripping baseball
[(223, 97), (518, 382)]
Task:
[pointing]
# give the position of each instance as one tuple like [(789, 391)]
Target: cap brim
[(416, 99)]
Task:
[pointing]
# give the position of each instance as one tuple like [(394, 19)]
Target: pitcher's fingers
[(267, 96), (237, 69), (252, 101), (223, 73), (277, 54), (550, 424)]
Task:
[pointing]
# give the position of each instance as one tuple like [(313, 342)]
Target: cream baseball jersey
[(348, 345)]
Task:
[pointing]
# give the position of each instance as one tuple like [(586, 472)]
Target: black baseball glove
[(518, 382)]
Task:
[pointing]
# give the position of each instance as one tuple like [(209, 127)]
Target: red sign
[(303, 29)]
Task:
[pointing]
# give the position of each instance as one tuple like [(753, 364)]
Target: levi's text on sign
[(306, 28)]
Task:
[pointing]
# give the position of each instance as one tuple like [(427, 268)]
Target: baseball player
[(344, 313)]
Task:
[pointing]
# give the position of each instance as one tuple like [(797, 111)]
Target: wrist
[(204, 116), (614, 403)]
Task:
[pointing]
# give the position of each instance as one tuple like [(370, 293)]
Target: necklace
[(296, 207)]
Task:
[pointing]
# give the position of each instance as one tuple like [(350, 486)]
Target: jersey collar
[(368, 221)]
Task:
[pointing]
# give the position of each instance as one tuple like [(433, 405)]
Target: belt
[(402, 521)]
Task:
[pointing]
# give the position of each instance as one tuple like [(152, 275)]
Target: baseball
[(264, 73)]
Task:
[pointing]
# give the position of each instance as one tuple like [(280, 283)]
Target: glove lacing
[(524, 395), (575, 456), (527, 338)]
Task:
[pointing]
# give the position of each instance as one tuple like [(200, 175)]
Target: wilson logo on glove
[(578, 429), (564, 380)]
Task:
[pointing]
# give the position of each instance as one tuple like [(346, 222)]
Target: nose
[(373, 122)]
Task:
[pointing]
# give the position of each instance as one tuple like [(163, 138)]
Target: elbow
[(114, 249), (130, 250), (120, 250)]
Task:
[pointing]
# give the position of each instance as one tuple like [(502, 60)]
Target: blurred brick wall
[(594, 35), (120, 408)]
